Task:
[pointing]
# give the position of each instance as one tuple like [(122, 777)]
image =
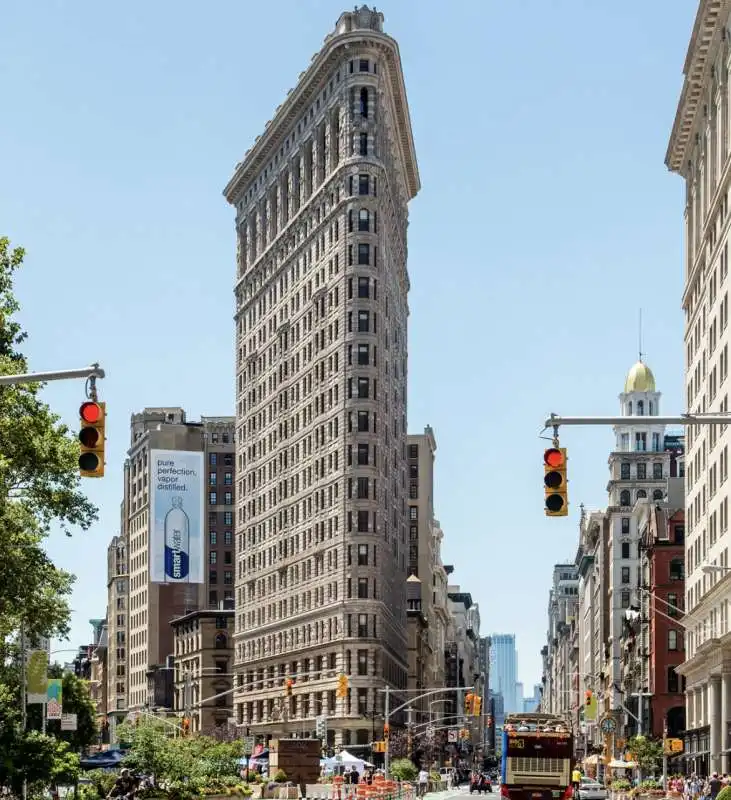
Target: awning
[(615, 764)]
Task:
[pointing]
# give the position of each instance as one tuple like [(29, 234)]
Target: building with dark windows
[(140, 639), (321, 202)]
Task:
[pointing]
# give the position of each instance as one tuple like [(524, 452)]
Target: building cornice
[(300, 97), (706, 30)]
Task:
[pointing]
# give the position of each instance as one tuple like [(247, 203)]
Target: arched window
[(624, 498), (657, 494), (640, 408), (364, 103), (221, 641), (364, 220), (641, 494)]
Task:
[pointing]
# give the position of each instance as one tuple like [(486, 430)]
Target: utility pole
[(24, 692), (665, 754), (387, 729), (555, 421)]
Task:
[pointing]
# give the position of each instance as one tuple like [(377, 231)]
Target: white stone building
[(321, 205), (699, 152)]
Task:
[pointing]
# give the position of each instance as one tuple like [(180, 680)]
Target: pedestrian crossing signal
[(555, 482)]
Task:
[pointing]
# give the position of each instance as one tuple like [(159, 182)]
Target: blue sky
[(546, 219)]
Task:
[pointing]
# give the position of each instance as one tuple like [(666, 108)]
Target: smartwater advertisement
[(177, 547)]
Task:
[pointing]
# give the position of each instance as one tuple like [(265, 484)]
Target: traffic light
[(555, 482), (587, 697), (477, 706), (489, 720), (91, 438), (342, 690), (386, 731), (185, 726), (468, 704), (288, 687)]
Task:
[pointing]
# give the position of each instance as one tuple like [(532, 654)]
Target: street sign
[(249, 742), (452, 735), (69, 722)]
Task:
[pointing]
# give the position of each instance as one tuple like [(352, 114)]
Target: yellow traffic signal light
[(477, 706), (92, 439), (288, 687), (468, 704), (555, 482), (342, 690)]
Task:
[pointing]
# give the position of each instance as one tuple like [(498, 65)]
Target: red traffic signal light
[(555, 482), (91, 439)]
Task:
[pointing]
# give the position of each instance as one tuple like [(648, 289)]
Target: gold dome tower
[(640, 379)]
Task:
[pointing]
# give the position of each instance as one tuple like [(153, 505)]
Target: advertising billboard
[(177, 514)]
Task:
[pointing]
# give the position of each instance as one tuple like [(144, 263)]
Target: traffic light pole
[(94, 371), (555, 421), (387, 713)]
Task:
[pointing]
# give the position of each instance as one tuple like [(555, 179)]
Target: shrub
[(724, 794), (403, 769), (280, 776), (623, 785)]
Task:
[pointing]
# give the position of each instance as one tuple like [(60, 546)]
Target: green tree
[(646, 752), (404, 769), (39, 485)]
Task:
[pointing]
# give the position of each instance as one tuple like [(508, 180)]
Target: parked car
[(592, 790)]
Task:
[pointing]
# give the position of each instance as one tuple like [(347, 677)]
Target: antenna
[(640, 335)]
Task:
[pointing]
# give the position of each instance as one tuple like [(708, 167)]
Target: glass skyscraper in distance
[(504, 670)]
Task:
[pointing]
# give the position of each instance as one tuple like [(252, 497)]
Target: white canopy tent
[(347, 760)]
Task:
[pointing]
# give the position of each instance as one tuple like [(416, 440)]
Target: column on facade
[(314, 161), (725, 720), (716, 716)]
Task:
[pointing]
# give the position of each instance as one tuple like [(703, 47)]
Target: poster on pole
[(177, 514), (37, 686), (54, 703)]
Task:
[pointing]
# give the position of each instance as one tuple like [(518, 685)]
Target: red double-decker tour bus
[(537, 758)]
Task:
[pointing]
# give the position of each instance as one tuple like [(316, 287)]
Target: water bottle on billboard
[(177, 542)]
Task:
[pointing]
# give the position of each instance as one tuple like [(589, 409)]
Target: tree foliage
[(30, 756), (156, 749), (645, 751), (39, 484)]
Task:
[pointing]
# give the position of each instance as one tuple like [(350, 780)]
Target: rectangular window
[(625, 550), (362, 555), (362, 662), (228, 478), (363, 142), (625, 598), (362, 489), (228, 498), (413, 513), (362, 422), (212, 498), (364, 287), (228, 538), (362, 588), (673, 640), (363, 321), (363, 184), (212, 480), (212, 576), (363, 626), (364, 253), (642, 471), (625, 525), (413, 451), (641, 442), (228, 517), (624, 471), (362, 455), (672, 605), (363, 521), (673, 682), (657, 475), (213, 459), (228, 577), (212, 557), (363, 388), (625, 574), (212, 537), (363, 65), (363, 355)]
